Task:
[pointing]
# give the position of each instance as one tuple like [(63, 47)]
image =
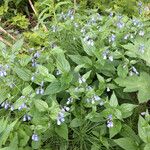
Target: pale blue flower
[(141, 33), (61, 117), (110, 124), (141, 48), (110, 58), (120, 24), (112, 38), (36, 55), (35, 137), (81, 80), (26, 118), (22, 106), (69, 100)]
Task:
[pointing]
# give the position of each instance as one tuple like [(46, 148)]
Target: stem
[(31, 4), (75, 3), (4, 31), (4, 41)]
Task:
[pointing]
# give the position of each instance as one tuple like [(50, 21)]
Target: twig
[(31, 4), (4, 31), (4, 41), (75, 3)]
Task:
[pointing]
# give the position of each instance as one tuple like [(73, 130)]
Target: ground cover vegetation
[(74, 75)]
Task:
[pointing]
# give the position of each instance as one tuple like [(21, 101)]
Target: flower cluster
[(106, 55), (95, 98), (133, 71), (61, 115), (34, 58), (111, 38), (81, 80), (26, 117), (6, 105), (3, 69), (110, 121), (69, 100), (40, 90)]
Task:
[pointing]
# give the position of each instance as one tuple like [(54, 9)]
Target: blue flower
[(110, 58), (142, 48), (109, 121), (40, 91), (36, 55), (141, 33), (69, 101), (35, 137), (3, 72), (110, 124), (112, 38), (60, 117), (81, 80), (22, 106), (26, 118)]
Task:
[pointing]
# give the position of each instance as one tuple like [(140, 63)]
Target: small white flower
[(141, 33), (66, 108), (126, 36), (12, 108), (70, 100), (141, 48), (96, 98), (58, 72), (112, 38), (81, 80), (143, 113), (120, 24), (108, 89), (111, 58), (101, 103)]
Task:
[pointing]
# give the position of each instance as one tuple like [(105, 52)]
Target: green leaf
[(127, 143), (27, 90), (127, 109), (62, 63), (44, 72), (17, 46), (127, 131), (115, 129), (53, 88), (78, 59), (122, 71), (14, 142), (147, 147), (62, 131), (41, 105), (6, 133), (76, 123), (3, 94), (88, 48), (54, 109), (23, 73), (113, 100), (137, 83), (87, 75), (144, 130), (133, 49), (24, 59)]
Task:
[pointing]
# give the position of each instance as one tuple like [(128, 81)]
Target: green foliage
[(20, 21), (78, 78)]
